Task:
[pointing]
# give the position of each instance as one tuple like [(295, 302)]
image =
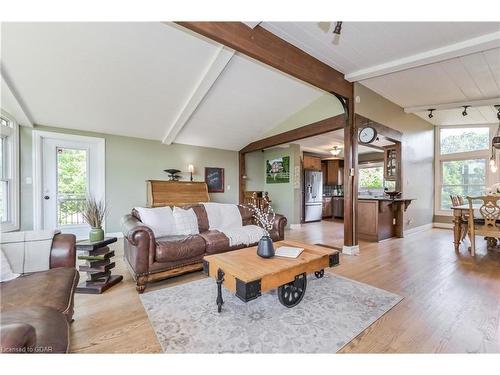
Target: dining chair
[(457, 200), (488, 224)]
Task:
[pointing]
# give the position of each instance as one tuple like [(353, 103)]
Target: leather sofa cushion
[(174, 248), (217, 242), (201, 215), (50, 326), (53, 288), (246, 215)]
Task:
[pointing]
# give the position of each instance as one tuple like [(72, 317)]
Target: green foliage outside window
[(71, 185), (371, 178)]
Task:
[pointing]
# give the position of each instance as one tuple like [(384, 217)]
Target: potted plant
[(265, 218), (93, 213)]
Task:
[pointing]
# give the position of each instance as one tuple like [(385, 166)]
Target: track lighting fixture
[(464, 113), (338, 28), (430, 115)]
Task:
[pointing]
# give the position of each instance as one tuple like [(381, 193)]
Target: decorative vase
[(96, 234), (265, 248)]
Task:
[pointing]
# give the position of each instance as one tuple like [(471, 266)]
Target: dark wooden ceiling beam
[(266, 47), (316, 128), (385, 131)]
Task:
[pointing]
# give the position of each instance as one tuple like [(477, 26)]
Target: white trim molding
[(350, 250), (466, 47), (38, 137), (421, 228)]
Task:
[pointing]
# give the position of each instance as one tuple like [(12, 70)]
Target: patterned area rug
[(334, 310)]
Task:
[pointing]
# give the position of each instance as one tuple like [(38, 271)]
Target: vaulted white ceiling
[(160, 81), (149, 80), (410, 63)]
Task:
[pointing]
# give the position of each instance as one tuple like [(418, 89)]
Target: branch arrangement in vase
[(264, 217), (93, 213)]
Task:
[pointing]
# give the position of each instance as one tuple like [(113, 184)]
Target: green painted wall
[(325, 106), (286, 197), (129, 163)]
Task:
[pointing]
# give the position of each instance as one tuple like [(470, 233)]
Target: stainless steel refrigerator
[(313, 196)]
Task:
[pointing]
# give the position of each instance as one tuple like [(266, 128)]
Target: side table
[(98, 266)]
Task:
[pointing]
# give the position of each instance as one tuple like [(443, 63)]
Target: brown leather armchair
[(150, 259), (36, 308)]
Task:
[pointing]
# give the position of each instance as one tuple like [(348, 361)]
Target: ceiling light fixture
[(338, 28), (335, 151), (430, 115), (464, 113)]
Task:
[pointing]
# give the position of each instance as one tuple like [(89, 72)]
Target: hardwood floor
[(451, 300)]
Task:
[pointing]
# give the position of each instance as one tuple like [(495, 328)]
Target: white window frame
[(12, 174), (38, 136), (491, 178)]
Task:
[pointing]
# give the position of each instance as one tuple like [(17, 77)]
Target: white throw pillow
[(186, 221), (159, 219), (6, 273)]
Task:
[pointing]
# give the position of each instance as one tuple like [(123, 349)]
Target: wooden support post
[(241, 173), (350, 175)]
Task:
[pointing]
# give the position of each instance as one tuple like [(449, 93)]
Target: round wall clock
[(367, 135)]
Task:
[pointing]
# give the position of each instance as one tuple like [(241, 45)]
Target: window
[(462, 154), (9, 172), (371, 179)]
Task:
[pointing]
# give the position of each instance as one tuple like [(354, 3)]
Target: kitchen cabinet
[(327, 207), (312, 163), (333, 172), (392, 160)]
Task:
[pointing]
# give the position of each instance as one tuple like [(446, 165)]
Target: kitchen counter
[(380, 218), (374, 198)]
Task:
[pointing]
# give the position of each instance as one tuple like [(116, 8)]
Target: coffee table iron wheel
[(289, 294)]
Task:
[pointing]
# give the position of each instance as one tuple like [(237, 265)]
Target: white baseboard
[(350, 250), (295, 226), (443, 225), (115, 234), (418, 229)]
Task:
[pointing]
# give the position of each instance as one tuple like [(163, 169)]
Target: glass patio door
[(67, 180)]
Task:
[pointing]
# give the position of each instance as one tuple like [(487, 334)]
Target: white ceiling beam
[(253, 25), (211, 74), (12, 103), (437, 107), (466, 47)]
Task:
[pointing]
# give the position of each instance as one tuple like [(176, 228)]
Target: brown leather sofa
[(36, 308), (151, 259)]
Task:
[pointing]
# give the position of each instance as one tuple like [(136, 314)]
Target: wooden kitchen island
[(381, 218)]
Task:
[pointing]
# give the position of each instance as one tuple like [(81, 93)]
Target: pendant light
[(495, 144)]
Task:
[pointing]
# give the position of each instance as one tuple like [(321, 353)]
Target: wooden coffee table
[(247, 275)]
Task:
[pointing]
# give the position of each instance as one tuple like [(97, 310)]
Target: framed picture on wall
[(214, 177), (278, 170)]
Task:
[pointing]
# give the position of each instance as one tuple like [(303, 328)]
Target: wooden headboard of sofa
[(176, 193)]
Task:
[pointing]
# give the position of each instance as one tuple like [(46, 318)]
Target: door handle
[(46, 197)]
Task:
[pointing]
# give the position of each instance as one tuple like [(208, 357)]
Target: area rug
[(334, 310)]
